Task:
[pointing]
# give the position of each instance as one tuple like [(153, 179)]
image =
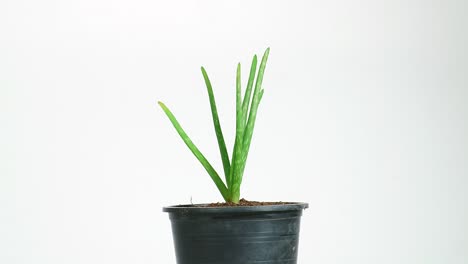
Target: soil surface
[(243, 202)]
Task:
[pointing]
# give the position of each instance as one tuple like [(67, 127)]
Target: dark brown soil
[(243, 202)]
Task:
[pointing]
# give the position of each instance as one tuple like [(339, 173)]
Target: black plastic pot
[(236, 235)]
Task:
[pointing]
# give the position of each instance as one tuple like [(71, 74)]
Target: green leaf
[(258, 94), (246, 113), (218, 131), (248, 90), (211, 171), (238, 145)]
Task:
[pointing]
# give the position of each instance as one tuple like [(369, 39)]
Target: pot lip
[(203, 208)]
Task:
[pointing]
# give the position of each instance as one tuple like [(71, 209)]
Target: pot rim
[(203, 208)]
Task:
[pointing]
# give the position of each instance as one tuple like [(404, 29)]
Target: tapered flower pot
[(236, 235)]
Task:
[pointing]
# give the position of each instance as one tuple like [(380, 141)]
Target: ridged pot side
[(236, 235)]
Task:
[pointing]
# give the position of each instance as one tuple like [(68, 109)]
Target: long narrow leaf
[(218, 131), (238, 145), (258, 94), (248, 133), (248, 90), (211, 171)]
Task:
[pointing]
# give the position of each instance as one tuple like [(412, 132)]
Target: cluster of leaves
[(246, 113)]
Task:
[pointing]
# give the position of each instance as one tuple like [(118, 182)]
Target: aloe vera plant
[(246, 113)]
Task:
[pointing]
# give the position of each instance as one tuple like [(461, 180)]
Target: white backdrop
[(364, 116)]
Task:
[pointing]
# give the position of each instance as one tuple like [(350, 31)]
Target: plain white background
[(364, 116)]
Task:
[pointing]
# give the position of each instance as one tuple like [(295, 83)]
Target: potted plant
[(237, 231)]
